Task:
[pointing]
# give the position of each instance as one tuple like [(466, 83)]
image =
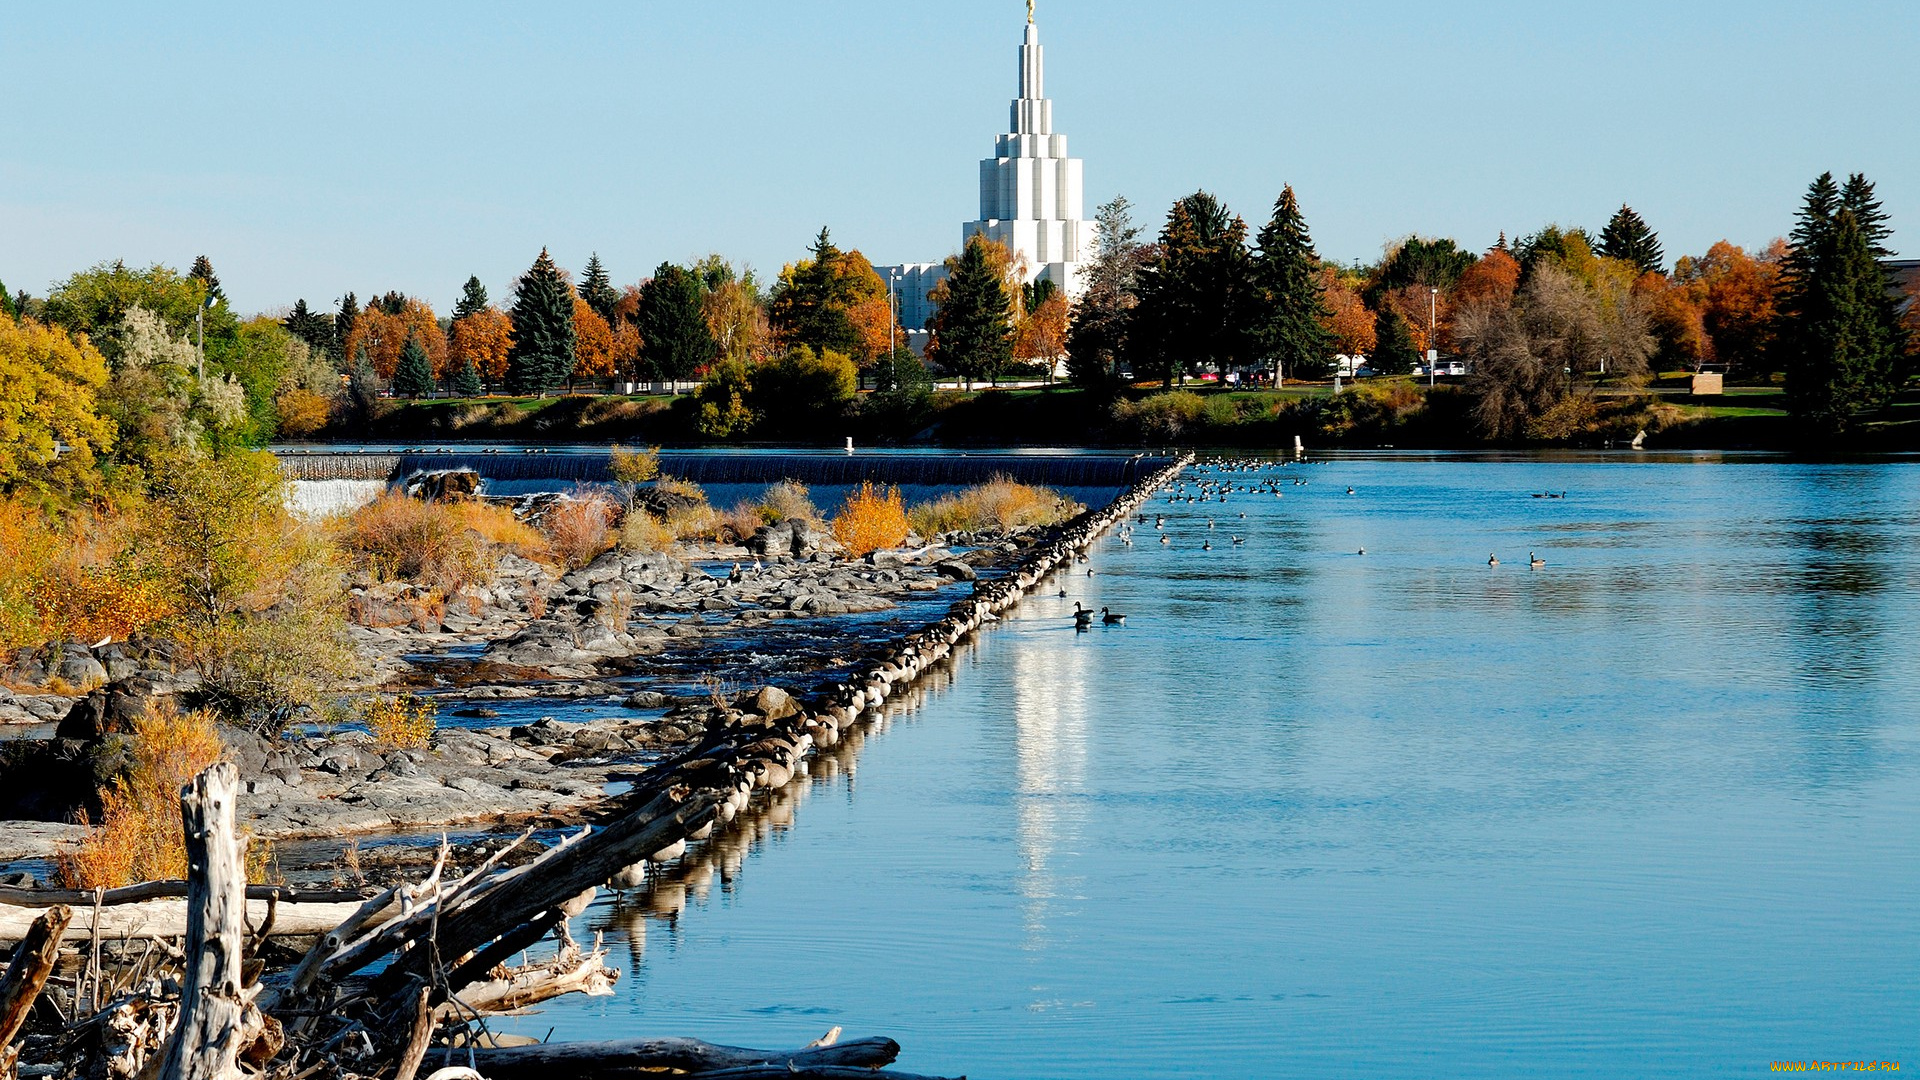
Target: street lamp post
[(1433, 350), (893, 322)]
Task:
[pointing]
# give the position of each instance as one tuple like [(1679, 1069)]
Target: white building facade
[(1030, 190), (1030, 200)]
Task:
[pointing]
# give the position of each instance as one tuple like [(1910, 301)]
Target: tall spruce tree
[(543, 336), (1628, 238), (973, 326), (675, 340), (6, 302), (1097, 334), (1844, 346), (413, 375), (1286, 304), (1857, 195), (467, 381), (309, 326), (473, 299), (597, 290), (343, 327), (1394, 352), (1193, 292)]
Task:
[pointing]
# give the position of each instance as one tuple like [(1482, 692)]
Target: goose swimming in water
[(1165, 539), (1112, 618), (1239, 539), (1535, 561), (1493, 560), (1362, 551), (1206, 545)]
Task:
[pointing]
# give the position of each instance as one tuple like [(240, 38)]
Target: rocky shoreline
[(651, 647)]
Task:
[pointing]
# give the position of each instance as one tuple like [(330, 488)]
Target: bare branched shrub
[(580, 528), (787, 499)]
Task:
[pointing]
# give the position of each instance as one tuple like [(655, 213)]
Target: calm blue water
[(1654, 807)]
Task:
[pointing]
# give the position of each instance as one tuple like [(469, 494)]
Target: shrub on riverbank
[(580, 528), (871, 519), (399, 538), (1000, 503), (140, 836), (402, 723)]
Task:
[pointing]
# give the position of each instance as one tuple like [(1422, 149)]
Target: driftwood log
[(586, 1060), (15, 896), (213, 1005), (20, 987), (159, 920)]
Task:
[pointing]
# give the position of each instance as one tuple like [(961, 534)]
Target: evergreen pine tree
[(343, 326), (597, 290), (675, 340), (309, 326), (542, 352), (973, 327), (1844, 346), (203, 272), (6, 302), (1857, 195), (1628, 238), (473, 298), (1193, 293), (413, 375), (1394, 352), (1286, 303), (467, 382)]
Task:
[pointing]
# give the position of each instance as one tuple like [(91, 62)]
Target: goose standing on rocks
[(1112, 618)]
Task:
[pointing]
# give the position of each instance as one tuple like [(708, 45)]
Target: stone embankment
[(760, 745)]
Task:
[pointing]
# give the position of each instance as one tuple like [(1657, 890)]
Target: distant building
[(1906, 278), (1030, 200)]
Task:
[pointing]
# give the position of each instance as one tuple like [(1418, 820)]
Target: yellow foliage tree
[(871, 519), (50, 430)]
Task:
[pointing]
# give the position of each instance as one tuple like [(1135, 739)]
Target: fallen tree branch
[(586, 1059), (15, 896), (213, 1007), (20, 987)]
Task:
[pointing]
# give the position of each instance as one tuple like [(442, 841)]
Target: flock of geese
[(1198, 487)]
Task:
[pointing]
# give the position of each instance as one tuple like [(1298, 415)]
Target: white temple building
[(1030, 195), (1030, 200)]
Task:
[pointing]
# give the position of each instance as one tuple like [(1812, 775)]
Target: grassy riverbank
[(1400, 412)]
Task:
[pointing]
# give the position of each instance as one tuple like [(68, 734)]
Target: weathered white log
[(570, 971), (153, 919), (207, 1041)]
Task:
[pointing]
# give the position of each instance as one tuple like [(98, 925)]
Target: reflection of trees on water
[(719, 859)]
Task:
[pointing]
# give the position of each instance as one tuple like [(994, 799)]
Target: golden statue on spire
[(1029, 12)]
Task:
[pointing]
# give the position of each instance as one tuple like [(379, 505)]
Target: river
[(1653, 806)]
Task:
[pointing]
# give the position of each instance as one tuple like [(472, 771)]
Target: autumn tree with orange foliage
[(1491, 280), (1735, 293), (384, 334), (1348, 321), (1040, 326), (592, 342), (484, 338)]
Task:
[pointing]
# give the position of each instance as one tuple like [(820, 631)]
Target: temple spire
[(1029, 12)]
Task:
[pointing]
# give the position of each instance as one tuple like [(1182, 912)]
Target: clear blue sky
[(338, 146)]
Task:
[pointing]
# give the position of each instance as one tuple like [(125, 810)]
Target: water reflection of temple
[(1050, 709)]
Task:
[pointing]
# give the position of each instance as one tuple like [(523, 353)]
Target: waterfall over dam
[(919, 469)]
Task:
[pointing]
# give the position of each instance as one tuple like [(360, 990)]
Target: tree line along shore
[(1567, 337)]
